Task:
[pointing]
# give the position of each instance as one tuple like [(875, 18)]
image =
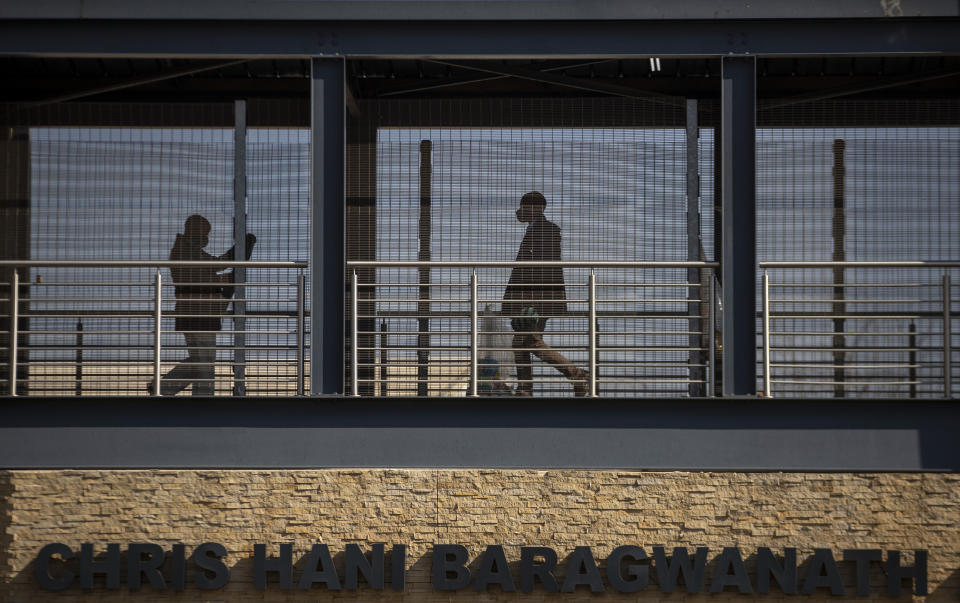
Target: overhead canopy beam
[(430, 10), (449, 83), (860, 88), (132, 83), (568, 82), (478, 39)]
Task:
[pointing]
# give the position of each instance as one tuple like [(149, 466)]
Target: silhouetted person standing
[(535, 294), (199, 306)]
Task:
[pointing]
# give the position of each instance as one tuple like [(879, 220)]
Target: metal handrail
[(514, 264), (863, 264), (463, 299), (146, 264), (155, 312), (941, 296)]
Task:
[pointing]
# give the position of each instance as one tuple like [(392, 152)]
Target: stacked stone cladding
[(561, 509)]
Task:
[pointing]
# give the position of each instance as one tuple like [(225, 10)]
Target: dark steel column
[(839, 255), (239, 245), (425, 230), (14, 244), (328, 285), (739, 256)]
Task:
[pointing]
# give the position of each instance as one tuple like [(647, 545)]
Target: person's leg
[(204, 353), (577, 377), (183, 373), (522, 359)]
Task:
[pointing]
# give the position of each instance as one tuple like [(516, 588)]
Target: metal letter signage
[(628, 569)]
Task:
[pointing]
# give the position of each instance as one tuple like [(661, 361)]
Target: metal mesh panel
[(864, 192), (123, 193), (614, 177)]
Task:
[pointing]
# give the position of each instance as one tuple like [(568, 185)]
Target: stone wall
[(513, 508)]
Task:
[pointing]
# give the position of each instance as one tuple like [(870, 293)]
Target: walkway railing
[(109, 328), (858, 329), (825, 329), (439, 328)]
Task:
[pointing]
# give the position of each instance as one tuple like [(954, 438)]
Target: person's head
[(197, 230), (531, 206)]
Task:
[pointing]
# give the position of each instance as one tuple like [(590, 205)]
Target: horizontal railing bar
[(861, 264), (466, 361), (149, 361), (148, 264), (443, 300), (513, 264), (852, 333), (570, 314), (847, 349), (846, 383), (852, 285), (853, 301), (118, 348), (152, 284), (865, 315), (569, 285), (606, 348), (150, 332), (140, 314), (852, 366)]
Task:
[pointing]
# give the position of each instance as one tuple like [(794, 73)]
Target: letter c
[(42, 567)]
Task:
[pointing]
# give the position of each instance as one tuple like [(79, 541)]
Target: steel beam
[(452, 82), (568, 82), (478, 39), (861, 88), (133, 83), (739, 256), (664, 434), (415, 10), (327, 258)]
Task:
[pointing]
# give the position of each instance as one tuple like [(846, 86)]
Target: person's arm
[(230, 253)]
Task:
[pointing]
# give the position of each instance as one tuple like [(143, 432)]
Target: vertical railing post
[(947, 339), (474, 333), (78, 370), (912, 359), (157, 318), (592, 331), (766, 334), (711, 334), (384, 357), (696, 356), (301, 335), (354, 366), (14, 329)]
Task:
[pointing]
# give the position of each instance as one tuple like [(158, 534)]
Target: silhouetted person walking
[(199, 306), (535, 294)]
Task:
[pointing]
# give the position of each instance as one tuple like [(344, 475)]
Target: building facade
[(759, 209)]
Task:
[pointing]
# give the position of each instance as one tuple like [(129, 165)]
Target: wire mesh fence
[(442, 180), (107, 193)]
